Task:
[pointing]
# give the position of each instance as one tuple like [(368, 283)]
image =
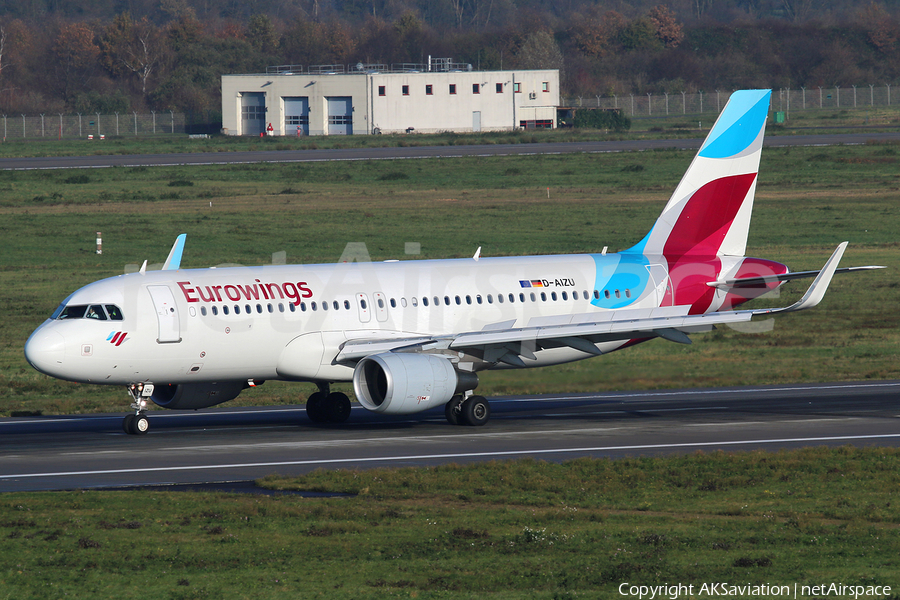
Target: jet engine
[(404, 383), (191, 396)]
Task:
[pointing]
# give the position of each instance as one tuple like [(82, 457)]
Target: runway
[(241, 444), (351, 154)]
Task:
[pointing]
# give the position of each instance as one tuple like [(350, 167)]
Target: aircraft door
[(659, 275), (365, 311), (166, 314), (380, 307)]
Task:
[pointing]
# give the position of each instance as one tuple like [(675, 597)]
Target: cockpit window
[(95, 311), (88, 311), (73, 312)]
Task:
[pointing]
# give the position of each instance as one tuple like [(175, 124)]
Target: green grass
[(808, 200), (515, 529)]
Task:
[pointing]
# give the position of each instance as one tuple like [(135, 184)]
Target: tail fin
[(709, 213)]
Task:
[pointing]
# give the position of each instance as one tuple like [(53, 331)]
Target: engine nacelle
[(402, 383), (190, 396)]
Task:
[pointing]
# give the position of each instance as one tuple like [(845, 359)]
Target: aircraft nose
[(45, 350)]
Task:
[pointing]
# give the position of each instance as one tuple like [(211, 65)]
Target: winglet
[(819, 286), (173, 262), (477, 254)]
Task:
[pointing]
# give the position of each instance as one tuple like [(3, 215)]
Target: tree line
[(163, 55)]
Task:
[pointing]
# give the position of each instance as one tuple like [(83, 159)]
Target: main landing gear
[(473, 410), (138, 424), (326, 406)]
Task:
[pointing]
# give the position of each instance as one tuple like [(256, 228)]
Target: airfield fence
[(61, 126), (785, 100)]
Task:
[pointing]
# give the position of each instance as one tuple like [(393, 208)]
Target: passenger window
[(500, 298), (565, 296), (215, 311), (458, 300), (606, 294), (302, 307), (447, 300), (597, 294), (437, 301), (335, 305), (313, 306), (224, 310), (393, 303), (280, 307), (403, 302), (543, 296), (272, 308), (114, 313), (292, 306), (490, 299), (553, 296), (347, 304), (533, 297), (618, 295), (512, 298), (425, 301), (203, 310), (628, 293), (521, 297), (478, 298), (259, 308), (380, 303), (237, 309), (468, 299), (362, 303), (324, 305), (247, 309), (414, 301)]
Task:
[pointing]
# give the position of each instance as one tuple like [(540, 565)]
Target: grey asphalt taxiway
[(351, 154), (241, 444)]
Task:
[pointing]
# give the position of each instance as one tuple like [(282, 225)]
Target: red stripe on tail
[(707, 217)]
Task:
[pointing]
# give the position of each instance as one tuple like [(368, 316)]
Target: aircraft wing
[(510, 344)]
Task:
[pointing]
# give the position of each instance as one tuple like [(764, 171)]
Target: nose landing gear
[(138, 423)]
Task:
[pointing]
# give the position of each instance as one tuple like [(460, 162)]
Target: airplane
[(414, 335)]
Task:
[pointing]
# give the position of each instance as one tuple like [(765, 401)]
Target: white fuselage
[(290, 322)]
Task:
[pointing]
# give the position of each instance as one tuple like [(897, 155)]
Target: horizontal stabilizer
[(767, 279)]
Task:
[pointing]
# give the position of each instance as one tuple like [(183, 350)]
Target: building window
[(499, 87), (452, 89), (381, 90), (476, 88), (545, 87), (428, 90), (517, 88), (405, 90)]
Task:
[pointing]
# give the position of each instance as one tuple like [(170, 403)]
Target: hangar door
[(253, 113), (296, 115), (340, 115)]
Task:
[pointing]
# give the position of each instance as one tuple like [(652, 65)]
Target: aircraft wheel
[(141, 424), (452, 410), (337, 407), (476, 411), (128, 424), (315, 407)]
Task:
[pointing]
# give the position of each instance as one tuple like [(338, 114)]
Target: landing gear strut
[(326, 406), (473, 410), (138, 424)]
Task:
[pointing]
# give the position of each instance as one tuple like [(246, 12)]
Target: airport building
[(369, 99)]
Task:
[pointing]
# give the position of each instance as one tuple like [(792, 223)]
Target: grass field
[(501, 530)]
